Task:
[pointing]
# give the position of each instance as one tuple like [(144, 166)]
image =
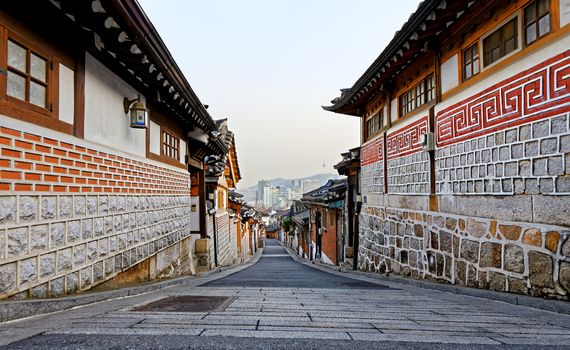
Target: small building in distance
[(326, 205)]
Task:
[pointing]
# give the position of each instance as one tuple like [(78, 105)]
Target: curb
[(557, 306), (16, 310)]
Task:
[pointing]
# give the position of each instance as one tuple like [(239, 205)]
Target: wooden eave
[(419, 34), (125, 40)]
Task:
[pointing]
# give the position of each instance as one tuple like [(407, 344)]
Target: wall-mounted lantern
[(137, 111)]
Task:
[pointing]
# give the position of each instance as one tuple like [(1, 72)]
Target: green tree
[(287, 223)]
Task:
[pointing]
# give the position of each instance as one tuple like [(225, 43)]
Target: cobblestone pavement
[(279, 303)]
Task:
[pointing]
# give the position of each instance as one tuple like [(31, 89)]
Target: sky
[(269, 65)]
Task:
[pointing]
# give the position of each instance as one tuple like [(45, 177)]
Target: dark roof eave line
[(401, 37), (149, 37)]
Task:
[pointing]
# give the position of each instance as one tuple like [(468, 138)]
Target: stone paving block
[(277, 334), (430, 338), (128, 331), (535, 340)]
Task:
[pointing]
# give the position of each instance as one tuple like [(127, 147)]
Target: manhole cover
[(187, 303), (364, 285)]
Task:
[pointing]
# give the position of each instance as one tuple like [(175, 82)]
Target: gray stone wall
[(409, 174), (372, 178), (528, 159), (483, 253), (226, 241), (51, 245), (225, 251), (500, 217)]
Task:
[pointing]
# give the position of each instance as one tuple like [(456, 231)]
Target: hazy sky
[(269, 66)]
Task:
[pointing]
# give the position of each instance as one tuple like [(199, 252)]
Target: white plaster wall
[(449, 74), (195, 214), (66, 94), (394, 110), (524, 63), (154, 138), (409, 119), (182, 151), (564, 12), (105, 119), (386, 116)]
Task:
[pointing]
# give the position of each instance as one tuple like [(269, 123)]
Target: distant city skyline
[(268, 66)]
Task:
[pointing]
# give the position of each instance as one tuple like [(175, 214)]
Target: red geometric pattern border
[(406, 140), (536, 93), (372, 152)]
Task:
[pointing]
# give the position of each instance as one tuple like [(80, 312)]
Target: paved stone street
[(279, 303)]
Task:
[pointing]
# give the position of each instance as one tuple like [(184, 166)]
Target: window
[(470, 61), (501, 42), (417, 96), (170, 145), (374, 123), (27, 75), (536, 20)]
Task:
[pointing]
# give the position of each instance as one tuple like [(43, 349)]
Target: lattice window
[(501, 42), (170, 145), (417, 96), (471, 61), (536, 20), (27, 74)]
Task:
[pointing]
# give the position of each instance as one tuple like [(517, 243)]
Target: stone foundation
[(491, 254), (55, 245)]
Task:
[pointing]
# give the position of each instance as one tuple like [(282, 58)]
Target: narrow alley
[(301, 305)]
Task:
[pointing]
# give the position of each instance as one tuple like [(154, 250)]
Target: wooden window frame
[(514, 17), (28, 77), (472, 61), (536, 21), (374, 123), (167, 149), (417, 96), (22, 109)]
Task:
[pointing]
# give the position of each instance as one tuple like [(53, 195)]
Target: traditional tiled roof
[(125, 39), (302, 218), (333, 190), (348, 158), (274, 226), (430, 19), (235, 197)]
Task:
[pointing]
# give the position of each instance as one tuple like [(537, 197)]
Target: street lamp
[(137, 111)]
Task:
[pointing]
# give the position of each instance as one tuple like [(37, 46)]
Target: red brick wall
[(328, 239), (33, 163)]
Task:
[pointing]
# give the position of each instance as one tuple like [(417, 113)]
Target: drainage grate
[(187, 303), (364, 285)]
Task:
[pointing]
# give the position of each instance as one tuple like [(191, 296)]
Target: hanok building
[(251, 221), (222, 175), (349, 166), (235, 203), (95, 159), (300, 215), (465, 156), (326, 205)]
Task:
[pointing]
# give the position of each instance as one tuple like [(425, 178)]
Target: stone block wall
[(500, 215), (226, 252), (528, 159), (372, 167), (408, 168), (73, 216), (521, 258), (226, 240), (372, 178), (409, 174)]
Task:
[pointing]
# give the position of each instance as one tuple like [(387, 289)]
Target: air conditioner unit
[(321, 231), (427, 141)]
